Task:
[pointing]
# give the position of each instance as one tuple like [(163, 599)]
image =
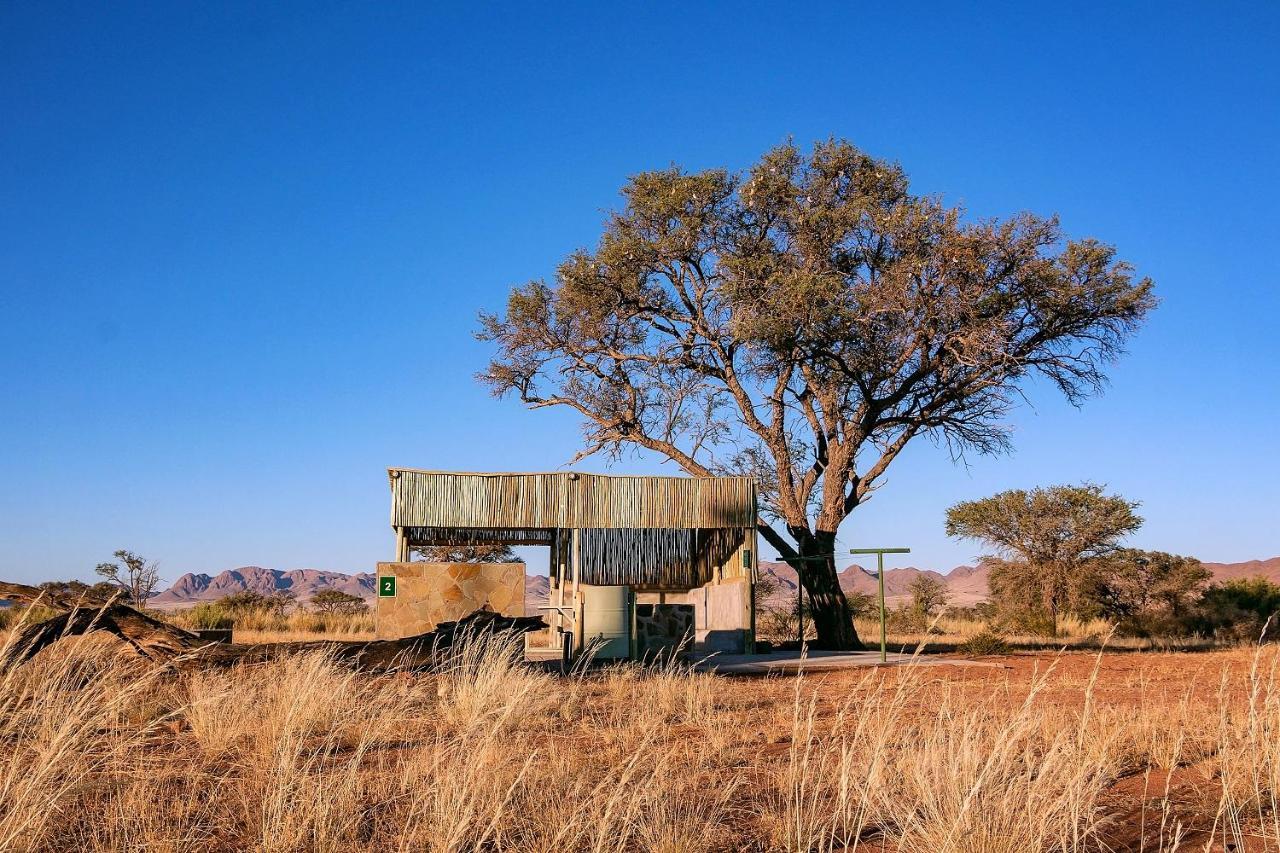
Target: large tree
[(1051, 541), (802, 323)]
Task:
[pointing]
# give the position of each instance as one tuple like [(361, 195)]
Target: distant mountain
[(897, 582), (966, 584), (537, 589), (303, 583), (1269, 569)]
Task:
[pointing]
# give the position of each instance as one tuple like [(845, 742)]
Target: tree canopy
[(1047, 539), (802, 322), (468, 554)]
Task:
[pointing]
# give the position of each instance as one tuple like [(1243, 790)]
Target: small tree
[(1239, 609), (337, 602), (249, 601), (1144, 590), (98, 593), (467, 554), (1048, 538), (928, 594), (801, 323), (136, 575)]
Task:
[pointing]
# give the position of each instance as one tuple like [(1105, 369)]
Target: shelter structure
[(627, 553)]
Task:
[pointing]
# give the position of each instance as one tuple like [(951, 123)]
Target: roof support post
[(575, 558)]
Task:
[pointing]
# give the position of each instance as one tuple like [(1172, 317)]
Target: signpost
[(880, 552)]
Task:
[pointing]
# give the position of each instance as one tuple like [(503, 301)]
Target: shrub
[(11, 616), (1237, 610), (1035, 622), (337, 601), (985, 643), (208, 616)]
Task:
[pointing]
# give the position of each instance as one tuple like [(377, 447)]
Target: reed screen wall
[(666, 532)]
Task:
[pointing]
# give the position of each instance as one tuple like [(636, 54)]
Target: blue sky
[(242, 248)]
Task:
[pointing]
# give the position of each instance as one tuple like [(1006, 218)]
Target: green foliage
[(985, 643), (134, 574), (1238, 610), (862, 603), (928, 594), (98, 593), (248, 601), (468, 554), (1146, 593), (905, 620), (1048, 540), (801, 322), (207, 615), (11, 616), (337, 601)]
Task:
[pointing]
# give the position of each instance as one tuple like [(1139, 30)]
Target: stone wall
[(663, 629), (430, 593)]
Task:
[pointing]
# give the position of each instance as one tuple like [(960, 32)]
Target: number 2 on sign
[(387, 587)]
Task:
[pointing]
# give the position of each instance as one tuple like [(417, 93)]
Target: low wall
[(722, 614), (430, 593)]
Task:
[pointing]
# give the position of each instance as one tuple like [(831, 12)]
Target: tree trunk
[(827, 604)]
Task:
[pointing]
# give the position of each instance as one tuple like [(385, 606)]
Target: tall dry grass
[(103, 751)]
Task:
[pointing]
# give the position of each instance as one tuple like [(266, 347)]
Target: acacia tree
[(467, 554), (802, 323), (928, 593), (137, 576), (338, 602), (1051, 540), (1131, 585)]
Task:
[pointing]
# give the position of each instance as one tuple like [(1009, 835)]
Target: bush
[(985, 643), (13, 614), (208, 616), (337, 601), (1238, 610), (1027, 622)]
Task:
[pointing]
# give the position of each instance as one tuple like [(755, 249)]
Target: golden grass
[(103, 751)]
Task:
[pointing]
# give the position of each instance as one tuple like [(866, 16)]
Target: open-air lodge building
[(637, 563)]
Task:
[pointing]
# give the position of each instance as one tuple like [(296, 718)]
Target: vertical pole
[(884, 655), (800, 607), (576, 559)]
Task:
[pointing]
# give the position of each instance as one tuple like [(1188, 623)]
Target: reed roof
[(566, 499)]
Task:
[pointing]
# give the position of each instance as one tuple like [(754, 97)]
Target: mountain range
[(303, 583), (965, 584)]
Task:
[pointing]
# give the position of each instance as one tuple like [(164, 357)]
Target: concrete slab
[(793, 663)]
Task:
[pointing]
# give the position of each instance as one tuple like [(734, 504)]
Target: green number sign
[(387, 586)]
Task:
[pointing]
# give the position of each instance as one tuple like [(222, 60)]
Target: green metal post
[(880, 552), (884, 648)]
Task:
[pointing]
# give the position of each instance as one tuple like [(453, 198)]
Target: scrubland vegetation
[(1076, 752)]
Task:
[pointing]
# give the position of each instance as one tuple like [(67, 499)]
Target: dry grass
[(1064, 753), (253, 626)]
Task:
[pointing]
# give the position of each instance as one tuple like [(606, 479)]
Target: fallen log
[(161, 641)]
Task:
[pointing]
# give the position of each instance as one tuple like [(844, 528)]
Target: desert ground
[(1047, 750)]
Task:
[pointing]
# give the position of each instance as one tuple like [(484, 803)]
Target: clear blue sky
[(242, 249)]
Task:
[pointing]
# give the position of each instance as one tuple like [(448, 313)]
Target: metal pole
[(800, 609), (880, 552), (884, 652)]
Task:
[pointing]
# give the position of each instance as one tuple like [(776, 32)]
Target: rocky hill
[(303, 583)]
